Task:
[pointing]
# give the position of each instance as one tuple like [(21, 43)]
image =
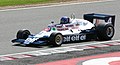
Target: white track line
[(53, 5)]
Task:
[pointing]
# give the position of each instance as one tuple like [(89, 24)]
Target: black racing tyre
[(56, 39), (23, 34), (105, 31)]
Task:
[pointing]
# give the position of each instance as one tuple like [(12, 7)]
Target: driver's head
[(64, 20)]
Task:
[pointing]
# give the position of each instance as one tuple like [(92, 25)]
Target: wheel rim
[(58, 39), (110, 31)]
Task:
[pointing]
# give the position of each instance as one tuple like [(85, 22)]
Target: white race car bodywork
[(75, 27)]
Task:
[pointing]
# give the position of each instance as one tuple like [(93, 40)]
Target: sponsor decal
[(74, 38)]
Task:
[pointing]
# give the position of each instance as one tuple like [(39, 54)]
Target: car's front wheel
[(56, 39), (23, 34)]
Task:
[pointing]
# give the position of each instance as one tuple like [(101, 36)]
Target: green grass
[(22, 2)]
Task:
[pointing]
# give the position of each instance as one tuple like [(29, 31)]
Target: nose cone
[(30, 39)]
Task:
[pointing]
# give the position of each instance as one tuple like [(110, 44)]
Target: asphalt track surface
[(36, 19)]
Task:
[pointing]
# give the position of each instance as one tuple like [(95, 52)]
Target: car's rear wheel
[(105, 31), (56, 39), (23, 34)]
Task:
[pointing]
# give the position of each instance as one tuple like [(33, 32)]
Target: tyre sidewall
[(102, 31), (52, 39), (23, 34)]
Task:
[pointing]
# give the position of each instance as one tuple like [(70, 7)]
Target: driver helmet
[(64, 20)]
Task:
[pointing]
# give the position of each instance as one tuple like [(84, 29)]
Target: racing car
[(93, 26)]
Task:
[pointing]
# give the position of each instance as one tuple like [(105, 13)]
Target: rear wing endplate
[(97, 18)]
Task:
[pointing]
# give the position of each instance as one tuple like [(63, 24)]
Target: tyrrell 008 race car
[(70, 29)]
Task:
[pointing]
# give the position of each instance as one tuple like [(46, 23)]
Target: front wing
[(21, 41)]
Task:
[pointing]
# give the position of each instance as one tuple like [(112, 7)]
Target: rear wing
[(100, 18)]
